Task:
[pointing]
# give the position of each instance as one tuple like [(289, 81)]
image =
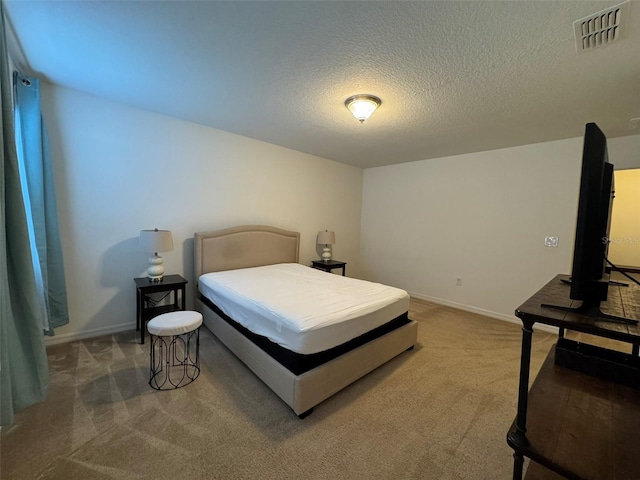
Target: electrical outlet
[(550, 241), (459, 282)]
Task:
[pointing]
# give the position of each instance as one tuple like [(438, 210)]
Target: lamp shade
[(155, 241), (326, 238)]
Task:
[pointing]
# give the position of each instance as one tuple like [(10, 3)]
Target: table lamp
[(155, 241), (326, 238)]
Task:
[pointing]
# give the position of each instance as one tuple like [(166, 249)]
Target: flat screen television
[(589, 277), (589, 280)]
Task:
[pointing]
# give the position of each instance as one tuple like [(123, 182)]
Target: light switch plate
[(550, 241)]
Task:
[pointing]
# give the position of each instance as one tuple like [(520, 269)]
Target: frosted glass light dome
[(362, 106)]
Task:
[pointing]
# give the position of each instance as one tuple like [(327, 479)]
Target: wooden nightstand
[(329, 265), (147, 308)]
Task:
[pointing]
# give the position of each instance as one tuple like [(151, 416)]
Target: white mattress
[(300, 308)]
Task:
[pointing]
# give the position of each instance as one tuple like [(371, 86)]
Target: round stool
[(175, 339)]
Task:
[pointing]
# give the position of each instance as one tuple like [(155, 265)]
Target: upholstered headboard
[(242, 247)]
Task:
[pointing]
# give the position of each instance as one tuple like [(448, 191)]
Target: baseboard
[(96, 332), (480, 311)]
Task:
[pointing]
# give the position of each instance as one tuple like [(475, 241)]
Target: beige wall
[(481, 217), (119, 170), (624, 248)]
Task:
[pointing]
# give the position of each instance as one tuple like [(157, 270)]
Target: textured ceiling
[(454, 77)]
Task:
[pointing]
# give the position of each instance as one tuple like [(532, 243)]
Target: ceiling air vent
[(602, 28)]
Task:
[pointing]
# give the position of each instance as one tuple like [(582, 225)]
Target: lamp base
[(326, 254), (155, 272)]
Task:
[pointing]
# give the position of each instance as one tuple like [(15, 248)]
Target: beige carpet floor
[(440, 411)]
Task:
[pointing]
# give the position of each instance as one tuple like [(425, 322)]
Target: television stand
[(572, 421), (592, 310), (615, 283)]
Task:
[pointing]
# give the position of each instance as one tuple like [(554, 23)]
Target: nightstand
[(147, 307), (329, 265)]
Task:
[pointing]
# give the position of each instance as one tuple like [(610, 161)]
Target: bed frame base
[(304, 415), (254, 245), (305, 391)]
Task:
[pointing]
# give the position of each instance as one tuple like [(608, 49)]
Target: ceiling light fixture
[(362, 106)]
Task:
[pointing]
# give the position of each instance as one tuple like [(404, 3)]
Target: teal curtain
[(34, 157), (24, 374)]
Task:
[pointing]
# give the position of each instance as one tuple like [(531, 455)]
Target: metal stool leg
[(174, 360)]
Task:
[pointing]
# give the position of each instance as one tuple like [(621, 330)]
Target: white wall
[(624, 152), (482, 217), (119, 170)]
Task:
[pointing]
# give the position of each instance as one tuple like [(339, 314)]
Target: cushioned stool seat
[(175, 342)]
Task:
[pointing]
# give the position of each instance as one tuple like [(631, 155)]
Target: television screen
[(589, 282), (589, 277)]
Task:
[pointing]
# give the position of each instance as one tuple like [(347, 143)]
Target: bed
[(301, 372)]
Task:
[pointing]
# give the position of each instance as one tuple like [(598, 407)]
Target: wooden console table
[(576, 425)]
